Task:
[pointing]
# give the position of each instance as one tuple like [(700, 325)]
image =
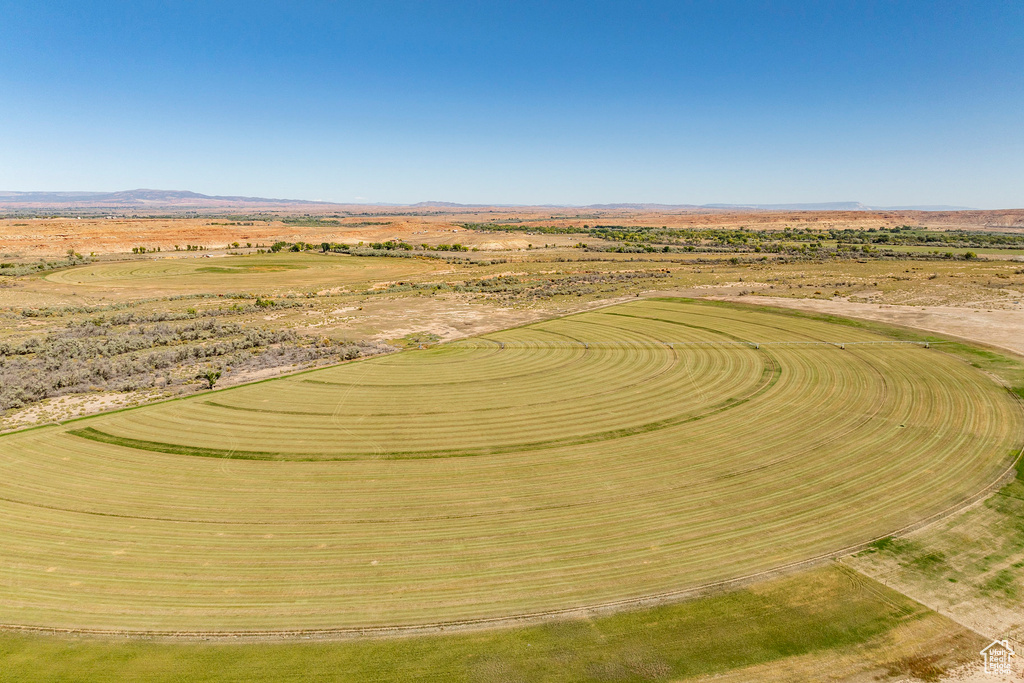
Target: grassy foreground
[(823, 611)]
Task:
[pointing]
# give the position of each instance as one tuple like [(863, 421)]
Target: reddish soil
[(36, 237)]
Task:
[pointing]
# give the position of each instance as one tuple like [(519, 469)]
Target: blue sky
[(519, 102)]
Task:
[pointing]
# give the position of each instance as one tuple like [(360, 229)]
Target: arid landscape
[(34, 234), (532, 342), (392, 298)]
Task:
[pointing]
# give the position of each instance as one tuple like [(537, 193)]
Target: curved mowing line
[(677, 322), (770, 375), (459, 382), (308, 522), (611, 391), (160, 447), (279, 412)]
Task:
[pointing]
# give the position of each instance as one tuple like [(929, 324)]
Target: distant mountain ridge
[(815, 206), (185, 199), (135, 199), (837, 206)]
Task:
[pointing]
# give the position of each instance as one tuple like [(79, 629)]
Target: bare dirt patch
[(1000, 328), (69, 407)]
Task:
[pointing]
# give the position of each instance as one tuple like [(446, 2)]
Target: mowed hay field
[(523, 472), (261, 272)]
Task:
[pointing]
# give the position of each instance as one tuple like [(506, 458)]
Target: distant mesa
[(134, 199), (446, 205), (821, 206), (184, 200), (834, 206), (640, 206)]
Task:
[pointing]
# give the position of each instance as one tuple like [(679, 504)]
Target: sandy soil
[(68, 407), (975, 673), (449, 318), (999, 328), (34, 238)]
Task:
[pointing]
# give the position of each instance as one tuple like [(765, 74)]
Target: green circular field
[(192, 273), (495, 477)]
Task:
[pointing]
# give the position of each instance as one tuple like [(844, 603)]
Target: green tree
[(212, 376)]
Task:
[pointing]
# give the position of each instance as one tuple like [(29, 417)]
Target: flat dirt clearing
[(471, 481), (1000, 328)]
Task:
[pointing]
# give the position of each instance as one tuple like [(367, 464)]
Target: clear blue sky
[(519, 102)]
